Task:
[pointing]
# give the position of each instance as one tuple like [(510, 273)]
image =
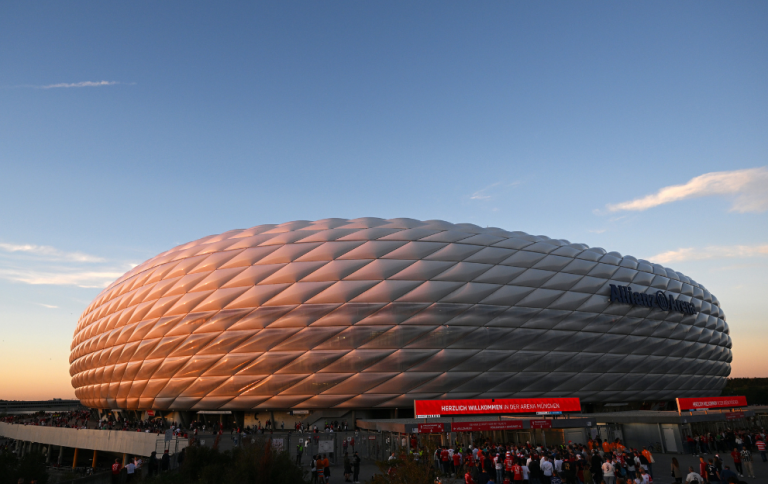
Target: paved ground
[(661, 469)]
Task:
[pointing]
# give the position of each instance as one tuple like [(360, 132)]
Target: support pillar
[(93, 462), (61, 454), (48, 454), (125, 459), (74, 459)]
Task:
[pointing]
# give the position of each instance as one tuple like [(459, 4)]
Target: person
[(546, 470), (647, 454), (761, 448), (609, 471), (498, 462), (534, 471), (517, 473), (736, 456), (116, 471), (152, 466), (326, 468), (746, 461), (558, 464), (693, 477), (712, 475), (568, 471), (356, 468), (676, 471), (587, 474), (320, 464), (165, 462), (468, 478), (130, 469), (596, 466), (299, 452), (645, 477), (631, 466), (727, 474), (484, 477), (313, 469), (347, 467), (182, 456)]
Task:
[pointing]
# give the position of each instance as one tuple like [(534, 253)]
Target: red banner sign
[(438, 408), (433, 428), (541, 424), (479, 426), (734, 415), (713, 402)]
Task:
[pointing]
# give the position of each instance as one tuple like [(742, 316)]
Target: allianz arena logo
[(624, 295)]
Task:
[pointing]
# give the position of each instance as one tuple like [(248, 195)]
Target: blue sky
[(126, 129)]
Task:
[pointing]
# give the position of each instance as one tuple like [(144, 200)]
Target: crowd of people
[(320, 468), (75, 419), (597, 462), (329, 427), (724, 441), (134, 466), (573, 464)]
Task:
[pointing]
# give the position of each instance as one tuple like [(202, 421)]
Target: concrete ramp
[(117, 441)]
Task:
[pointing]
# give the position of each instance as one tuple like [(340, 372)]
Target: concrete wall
[(641, 435), (673, 439), (133, 443)]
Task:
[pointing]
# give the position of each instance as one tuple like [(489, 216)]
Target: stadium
[(374, 314)]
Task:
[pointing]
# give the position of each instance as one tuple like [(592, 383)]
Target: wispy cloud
[(748, 190), (62, 277), (66, 85), (49, 306), (492, 191), (80, 84), (43, 264), (711, 252), (49, 252)]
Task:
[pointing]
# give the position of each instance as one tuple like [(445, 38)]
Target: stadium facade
[(372, 313)]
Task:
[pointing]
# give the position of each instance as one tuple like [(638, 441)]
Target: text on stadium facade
[(711, 402), (659, 300), (435, 408)]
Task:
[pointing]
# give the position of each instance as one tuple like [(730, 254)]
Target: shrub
[(30, 467), (252, 463)]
